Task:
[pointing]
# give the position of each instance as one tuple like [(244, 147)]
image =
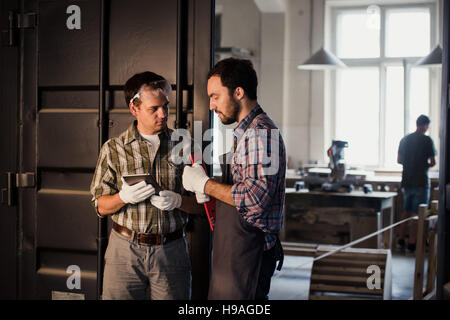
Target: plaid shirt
[(258, 189), (130, 153)]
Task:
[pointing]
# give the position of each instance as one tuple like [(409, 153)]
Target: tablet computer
[(132, 179)]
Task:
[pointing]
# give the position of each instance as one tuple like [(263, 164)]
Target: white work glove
[(167, 200), (201, 197), (194, 178), (135, 193)]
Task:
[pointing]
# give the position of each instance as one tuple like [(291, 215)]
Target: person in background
[(416, 153)]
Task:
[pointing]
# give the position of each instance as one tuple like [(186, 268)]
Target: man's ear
[(239, 93), (132, 108)]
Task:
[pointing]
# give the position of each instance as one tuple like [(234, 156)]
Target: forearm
[(189, 204), (109, 204), (219, 191), (431, 162)]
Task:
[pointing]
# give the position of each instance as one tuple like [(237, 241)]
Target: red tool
[(210, 206)]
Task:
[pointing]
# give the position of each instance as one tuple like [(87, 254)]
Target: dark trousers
[(265, 274)]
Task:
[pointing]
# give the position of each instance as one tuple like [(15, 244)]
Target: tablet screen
[(132, 179)]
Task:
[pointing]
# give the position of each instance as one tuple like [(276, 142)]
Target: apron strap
[(279, 253)]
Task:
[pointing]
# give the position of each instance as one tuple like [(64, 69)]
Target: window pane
[(419, 95), (407, 32), (357, 114), (394, 117), (358, 35)]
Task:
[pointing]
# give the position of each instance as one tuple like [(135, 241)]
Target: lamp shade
[(434, 58), (322, 60)]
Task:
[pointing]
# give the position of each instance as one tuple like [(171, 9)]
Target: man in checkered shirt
[(246, 244), (147, 250)]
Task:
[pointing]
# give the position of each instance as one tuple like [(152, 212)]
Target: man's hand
[(167, 200), (194, 178), (201, 197), (135, 193)]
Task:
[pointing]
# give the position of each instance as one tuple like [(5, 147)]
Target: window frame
[(382, 62)]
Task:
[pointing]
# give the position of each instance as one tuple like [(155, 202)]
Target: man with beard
[(251, 195)]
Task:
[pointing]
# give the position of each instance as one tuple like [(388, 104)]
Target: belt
[(148, 238)]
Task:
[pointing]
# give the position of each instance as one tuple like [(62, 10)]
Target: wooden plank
[(353, 250), (318, 227), (387, 219), (387, 282), (361, 226), (434, 205), (299, 249), (420, 253), (432, 263), (446, 291), (329, 297), (299, 252), (339, 280), (328, 215), (345, 289), (349, 263), (430, 296), (324, 236), (435, 194), (355, 256), (299, 245), (338, 270)]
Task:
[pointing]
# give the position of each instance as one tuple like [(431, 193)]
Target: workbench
[(338, 218)]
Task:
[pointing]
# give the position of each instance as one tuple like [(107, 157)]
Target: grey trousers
[(138, 272)]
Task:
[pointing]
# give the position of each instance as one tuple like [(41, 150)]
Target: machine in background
[(336, 181)]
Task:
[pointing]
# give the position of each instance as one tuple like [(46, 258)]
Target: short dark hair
[(422, 120), (237, 73), (133, 84)]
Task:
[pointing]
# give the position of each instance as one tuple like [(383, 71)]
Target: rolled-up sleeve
[(104, 181), (253, 191)]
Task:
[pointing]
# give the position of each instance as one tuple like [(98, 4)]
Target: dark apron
[(237, 250)]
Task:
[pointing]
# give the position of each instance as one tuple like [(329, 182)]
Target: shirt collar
[(133, 133), (243, 124)]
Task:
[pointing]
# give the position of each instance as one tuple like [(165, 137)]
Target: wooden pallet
[(344, 275)]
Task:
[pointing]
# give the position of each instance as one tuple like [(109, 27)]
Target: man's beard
[(234, 113)]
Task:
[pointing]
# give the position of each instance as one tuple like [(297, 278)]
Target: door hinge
[(7, 193), (109, 123), (17, 21), (27, 20), (13, 182), (25, 180)]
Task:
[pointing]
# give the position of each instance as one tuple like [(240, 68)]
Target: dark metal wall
[(443, 274), (72, 102), (8, 163)]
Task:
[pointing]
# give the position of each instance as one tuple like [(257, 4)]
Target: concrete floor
[(292, 282)]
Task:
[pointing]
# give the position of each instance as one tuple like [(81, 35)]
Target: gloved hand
[(201, 197), (135, 193), (167, 200), (194, 178)]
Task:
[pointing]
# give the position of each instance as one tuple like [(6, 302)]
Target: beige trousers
[(138, 272)]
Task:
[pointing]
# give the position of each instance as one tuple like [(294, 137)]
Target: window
[(377, 99), (358, 101)]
